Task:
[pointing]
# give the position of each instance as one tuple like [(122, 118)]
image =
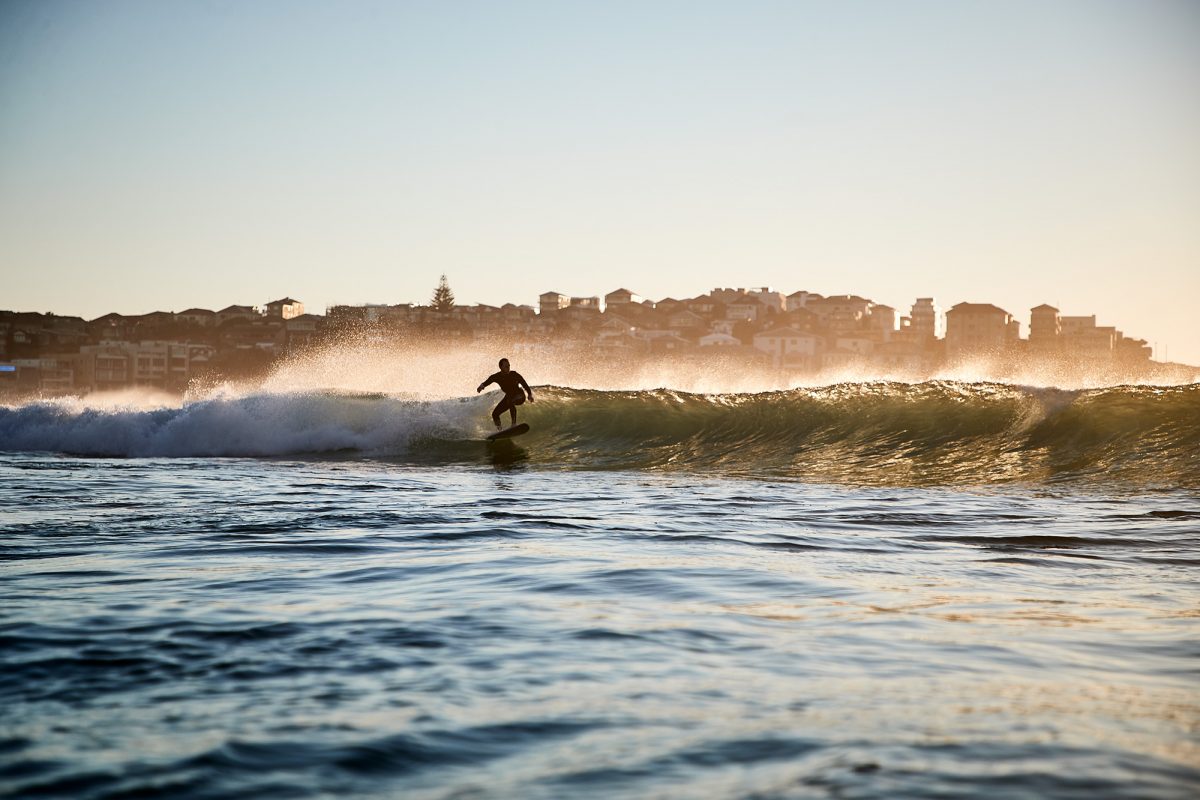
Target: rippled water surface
[(278, 628)]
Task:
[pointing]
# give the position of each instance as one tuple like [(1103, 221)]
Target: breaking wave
[(864, 433)]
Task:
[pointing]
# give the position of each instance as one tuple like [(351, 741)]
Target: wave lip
[(861, 433)]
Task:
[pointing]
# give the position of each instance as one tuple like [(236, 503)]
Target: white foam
[(251, 425)]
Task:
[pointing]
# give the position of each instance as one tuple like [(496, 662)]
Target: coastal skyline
[(901, 317), (755, 337), (160, 155)]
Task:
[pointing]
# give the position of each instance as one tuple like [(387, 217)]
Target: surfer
[(511, 384)]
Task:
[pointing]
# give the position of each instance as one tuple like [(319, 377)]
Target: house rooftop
[(978, 307), (986, 307)]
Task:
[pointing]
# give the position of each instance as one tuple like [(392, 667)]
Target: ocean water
[(858, 591)]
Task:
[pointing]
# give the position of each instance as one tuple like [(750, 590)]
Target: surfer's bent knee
[(507, 404)]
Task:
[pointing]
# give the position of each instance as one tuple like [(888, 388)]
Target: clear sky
[(160, 155)]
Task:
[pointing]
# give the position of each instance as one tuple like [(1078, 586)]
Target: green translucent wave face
[(882, 433)]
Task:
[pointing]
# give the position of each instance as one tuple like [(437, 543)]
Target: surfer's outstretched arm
[(483, 385)]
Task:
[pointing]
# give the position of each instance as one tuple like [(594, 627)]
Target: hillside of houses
[(800, 332)]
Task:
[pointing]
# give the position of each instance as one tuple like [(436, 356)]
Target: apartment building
[(881, 321), (1045, 328), (925, 320), (552, 302), (974, 329)]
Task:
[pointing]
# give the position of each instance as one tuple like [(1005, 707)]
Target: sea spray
[(448, 370)]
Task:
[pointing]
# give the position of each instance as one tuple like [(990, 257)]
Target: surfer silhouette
[(511, 383)]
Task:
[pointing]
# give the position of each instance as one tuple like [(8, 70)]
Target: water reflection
[(505, 455)]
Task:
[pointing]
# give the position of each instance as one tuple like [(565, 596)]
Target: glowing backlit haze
[(161, 155)]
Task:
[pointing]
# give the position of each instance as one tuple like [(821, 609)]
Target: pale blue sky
[(160, 155)]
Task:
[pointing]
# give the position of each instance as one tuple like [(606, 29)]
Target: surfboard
[(508, 433)]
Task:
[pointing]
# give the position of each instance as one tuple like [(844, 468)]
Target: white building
[(620, 297), (801, 299), (286, 308), (161, 364), (551, 302), (787, 345), (770, 299)]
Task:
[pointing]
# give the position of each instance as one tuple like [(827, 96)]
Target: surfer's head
[(504, 365)]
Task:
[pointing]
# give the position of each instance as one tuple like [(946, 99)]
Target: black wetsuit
[(510, 383)]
